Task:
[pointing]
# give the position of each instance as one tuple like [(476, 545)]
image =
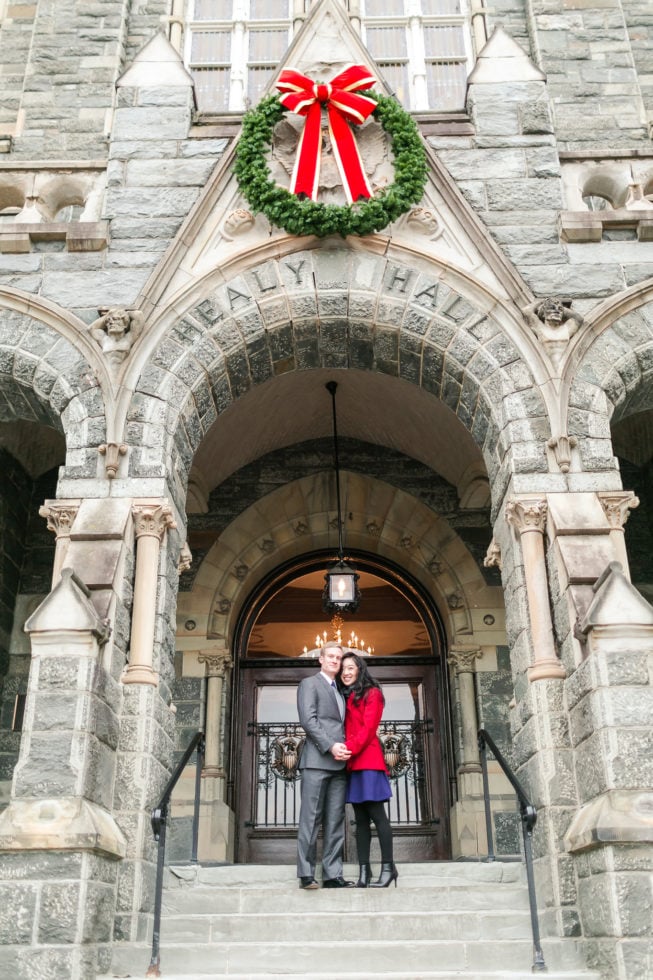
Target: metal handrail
[(159, 820), (528, 815)]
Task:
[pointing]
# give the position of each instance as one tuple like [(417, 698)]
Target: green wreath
[(301, 216)]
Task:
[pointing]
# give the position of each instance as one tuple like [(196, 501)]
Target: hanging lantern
[(341, 592)]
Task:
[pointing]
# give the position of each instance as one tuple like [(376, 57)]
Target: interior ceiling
[(37, 447), (632, 438), (372, 407), (292, 619)]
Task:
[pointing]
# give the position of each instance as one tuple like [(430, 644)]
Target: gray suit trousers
[(323, 804)]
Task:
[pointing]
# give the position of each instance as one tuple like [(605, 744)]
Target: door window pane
[(277, 703)]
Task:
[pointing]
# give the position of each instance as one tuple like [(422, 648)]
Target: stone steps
[(444, 920)]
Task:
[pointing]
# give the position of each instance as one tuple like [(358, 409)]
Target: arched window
[(422, 47)]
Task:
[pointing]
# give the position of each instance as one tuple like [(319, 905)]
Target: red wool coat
[(361, 724)]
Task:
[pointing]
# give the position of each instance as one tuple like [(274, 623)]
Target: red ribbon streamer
[(305, 97)]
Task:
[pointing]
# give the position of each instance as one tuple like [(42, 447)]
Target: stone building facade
[(163, 357)]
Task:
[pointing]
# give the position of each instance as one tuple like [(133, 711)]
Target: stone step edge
[(572, 974), (321, 913)]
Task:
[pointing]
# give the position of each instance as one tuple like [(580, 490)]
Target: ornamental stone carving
[(59, 516), (238, 222), (493, 555), (463, 659), (152, 520), (185, 559), (423, 222), (617, 507), (116, 331), (562, 446), (554, 324), (527, 515), (217, 664), (435, 566), (112, 451)]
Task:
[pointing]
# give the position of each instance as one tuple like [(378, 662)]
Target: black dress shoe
[(337, 883), (308, 882)]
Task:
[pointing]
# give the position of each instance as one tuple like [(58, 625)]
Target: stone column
[(217, 825), (60, 515), (217, 665), (58, 919), (610, 697), (617, 507), (463, 661), (467, 817), (151, 521), (528, 517)]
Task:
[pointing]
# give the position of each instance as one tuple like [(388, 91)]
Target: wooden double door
[(268, 784)]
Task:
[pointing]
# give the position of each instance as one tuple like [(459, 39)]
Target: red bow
[(305, 97)]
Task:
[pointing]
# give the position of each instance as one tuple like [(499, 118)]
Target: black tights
[(372, 811)]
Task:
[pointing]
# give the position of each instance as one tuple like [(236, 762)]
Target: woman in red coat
[(368, 786)]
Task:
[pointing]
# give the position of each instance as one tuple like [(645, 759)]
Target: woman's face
[(349, 671)]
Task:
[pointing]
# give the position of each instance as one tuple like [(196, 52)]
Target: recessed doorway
[(398, 630)]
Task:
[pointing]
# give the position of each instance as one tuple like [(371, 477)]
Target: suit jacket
[(319, 716), (361, 725)]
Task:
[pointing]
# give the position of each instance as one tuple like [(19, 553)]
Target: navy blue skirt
[(368, 786)]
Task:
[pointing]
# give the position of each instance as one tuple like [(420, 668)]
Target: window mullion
[(238, 86), (417, 64)]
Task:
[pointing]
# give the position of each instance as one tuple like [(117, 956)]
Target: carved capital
[(152, 520), (60, 516), (617, 507), (493, 555), (112, 451), (217, 664), (527, 515), (463, 659)]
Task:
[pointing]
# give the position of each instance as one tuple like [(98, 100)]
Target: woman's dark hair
[(363, 682)]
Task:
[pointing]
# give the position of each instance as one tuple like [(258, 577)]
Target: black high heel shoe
[(365, 876), (388, 874)]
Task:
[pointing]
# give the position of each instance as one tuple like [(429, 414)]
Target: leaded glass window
[(422, 48)]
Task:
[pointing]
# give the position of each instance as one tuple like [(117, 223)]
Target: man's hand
[(340, 752)]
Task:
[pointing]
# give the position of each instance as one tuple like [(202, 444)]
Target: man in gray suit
[(321, 714)]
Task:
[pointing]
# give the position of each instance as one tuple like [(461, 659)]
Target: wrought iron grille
[(278, 749)]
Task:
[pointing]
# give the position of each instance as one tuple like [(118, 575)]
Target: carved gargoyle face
[(117, 323), (551, 311)]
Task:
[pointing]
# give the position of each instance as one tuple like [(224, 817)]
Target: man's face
[(116, 324), (554, 311), (330, 661)]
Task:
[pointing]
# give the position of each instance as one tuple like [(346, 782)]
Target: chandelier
[(355, 643)]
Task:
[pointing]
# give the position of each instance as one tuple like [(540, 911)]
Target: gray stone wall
[(639, 21), (585, 50), (63, 58), (56, 909)]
